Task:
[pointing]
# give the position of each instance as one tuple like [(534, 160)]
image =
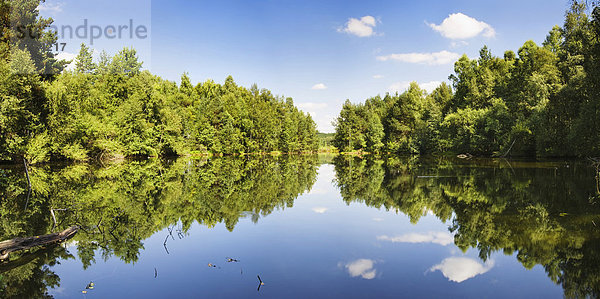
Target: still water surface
[(310, 227)]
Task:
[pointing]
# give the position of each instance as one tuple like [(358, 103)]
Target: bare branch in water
[(165, 244), (260, 283)]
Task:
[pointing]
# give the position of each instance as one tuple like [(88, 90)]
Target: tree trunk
[(6, 247)]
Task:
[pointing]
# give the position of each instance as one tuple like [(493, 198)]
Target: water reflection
[(320, 210), (541, 213), (441, 238), (120, 205), (459, 269), (362, 267)]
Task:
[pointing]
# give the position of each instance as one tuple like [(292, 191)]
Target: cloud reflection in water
[(320, 210), (442, 238), (459, 269), (363, 268)]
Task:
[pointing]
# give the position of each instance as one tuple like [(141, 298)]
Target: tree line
[(543, 100), (113, 108)]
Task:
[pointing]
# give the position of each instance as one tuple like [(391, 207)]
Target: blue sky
[(318, 52)]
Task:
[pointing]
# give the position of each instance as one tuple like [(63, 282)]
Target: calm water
[(309, 226)]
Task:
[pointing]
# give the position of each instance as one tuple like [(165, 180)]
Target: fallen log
[(24, 259), (6, 247)]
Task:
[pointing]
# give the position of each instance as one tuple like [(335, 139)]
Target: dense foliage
[(112, 108), (119, 114), (541, 101), (120, 205), (544, 213)]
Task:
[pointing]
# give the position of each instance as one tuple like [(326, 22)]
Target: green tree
[(126, 62), (25, 30), (84, 60), (402, 119), (374, 134)]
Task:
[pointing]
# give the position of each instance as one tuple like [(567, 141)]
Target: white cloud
[(459, 269), (368, 20), (363, 268), (399, 86), (67, 56), (441, 238), (403, 86), (459, 43), (436, 58), (461, 26), (377, 76), (319, 86), (318, 191), (312, 106), (362, 27), (430, 86), (51, 8), (377, 219), (320, 210)]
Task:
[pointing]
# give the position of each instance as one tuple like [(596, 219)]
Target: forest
[(112, 108), (543, 101)]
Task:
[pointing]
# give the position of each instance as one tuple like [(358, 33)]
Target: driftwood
[(6, 247), (24, 259)]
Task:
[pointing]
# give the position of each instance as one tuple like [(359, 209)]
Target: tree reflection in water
[(120, 205), (544, 213)]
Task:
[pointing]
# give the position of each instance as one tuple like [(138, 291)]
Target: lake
[(308, 226)]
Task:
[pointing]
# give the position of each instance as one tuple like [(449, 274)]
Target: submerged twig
[(509, 165), (180, 231), (113, 235), (28, 183), (100, 223), (53, 218), (596, 164), (260, 283), (170, 229), (510, 148), (165, 244)]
